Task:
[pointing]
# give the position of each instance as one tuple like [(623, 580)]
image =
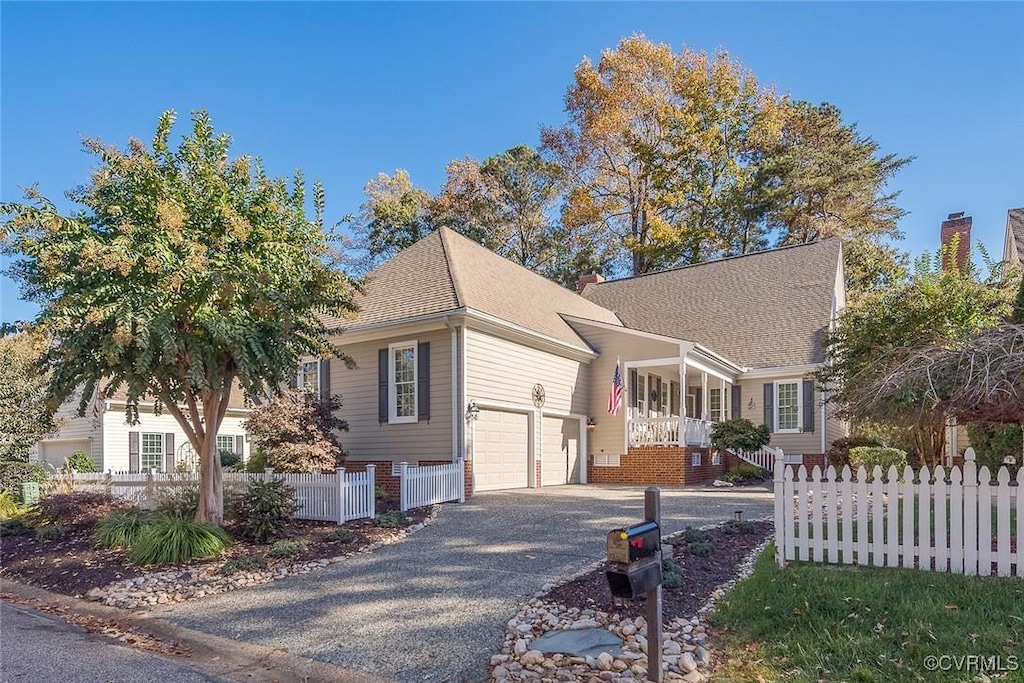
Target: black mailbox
[(626, 546), (634, 560)]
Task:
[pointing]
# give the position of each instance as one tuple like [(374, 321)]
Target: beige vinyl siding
[(115, 434), (802, 442), (610, 433), (366, 438), (502, 370)]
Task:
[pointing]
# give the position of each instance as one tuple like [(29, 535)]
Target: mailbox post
[(634, 569)]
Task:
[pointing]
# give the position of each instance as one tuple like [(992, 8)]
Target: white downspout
[(454, 386)]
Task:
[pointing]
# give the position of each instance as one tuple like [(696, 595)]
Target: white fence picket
[(431, 484), (964, 525)]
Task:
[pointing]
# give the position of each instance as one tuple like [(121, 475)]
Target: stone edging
[(190, 583), (684, 645)]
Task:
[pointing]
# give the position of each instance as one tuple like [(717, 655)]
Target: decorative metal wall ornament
[(539, 395)]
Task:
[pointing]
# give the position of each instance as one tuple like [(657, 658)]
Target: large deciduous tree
[(182, 273), (394, 215), (25, 414)]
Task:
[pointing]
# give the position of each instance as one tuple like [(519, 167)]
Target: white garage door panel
[(501, 454), (560, 461), (55, 452)]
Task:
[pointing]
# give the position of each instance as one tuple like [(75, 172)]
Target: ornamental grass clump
[(172, 540), (121, 529)]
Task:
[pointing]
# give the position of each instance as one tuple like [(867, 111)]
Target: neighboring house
[(157, 442), (460, 355), (1013, 245)]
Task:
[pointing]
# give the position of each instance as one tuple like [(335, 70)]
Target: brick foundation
[(809, 461), (661, 466)]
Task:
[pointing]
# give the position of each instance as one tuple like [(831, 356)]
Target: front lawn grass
[(818, 622)]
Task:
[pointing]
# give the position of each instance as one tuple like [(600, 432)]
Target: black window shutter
[(293, 381), (633, 398), (239, 445), (673, 398), (808, 405), (769, 405), (325, 379), (698, 408), (133, 452), (737, 402), (382, 385), (423, 380), (169, 452)]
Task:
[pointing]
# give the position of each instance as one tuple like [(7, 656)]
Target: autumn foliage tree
[(181, 274), (297, 434)]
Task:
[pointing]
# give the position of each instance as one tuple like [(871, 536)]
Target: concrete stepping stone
[(584, 642)]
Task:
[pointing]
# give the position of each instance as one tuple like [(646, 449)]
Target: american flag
[(615, 395)]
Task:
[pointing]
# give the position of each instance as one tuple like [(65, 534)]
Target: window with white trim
[(715, 403), (402, 379), (696, 459), (308, 380), (152, 455), (787, 406), (226, 443), (606, 460), (716, 458), (641, 395)]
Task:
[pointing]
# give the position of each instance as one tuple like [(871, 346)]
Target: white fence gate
[(947, 521), (431, 484), (338, 497)]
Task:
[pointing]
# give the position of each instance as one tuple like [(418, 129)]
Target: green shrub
[(701, 549), (839, 454), (13, 526), (741, 435), (392, 520), (9, 508), (342, 536), (228, 459), (173, 540), (79, 507), (178, 500), (121, 529), (671, 574), (869, 456), (49, 532), (745, 473), (79, 461), (379, 492), (288, 549), (246, 562), (15, 472), (737, 527), (993, 442), (264, 509), (691, 535), (256, 463)]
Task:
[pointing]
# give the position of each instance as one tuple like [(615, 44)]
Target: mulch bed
[(700, 576), (71, 566)]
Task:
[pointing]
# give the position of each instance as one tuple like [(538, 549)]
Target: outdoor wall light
[(472, 412), (750, 404), (591, 424)]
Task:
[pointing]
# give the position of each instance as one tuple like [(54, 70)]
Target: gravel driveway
[(433, 607)]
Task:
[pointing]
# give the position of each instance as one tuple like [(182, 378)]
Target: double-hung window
[(309, 378), (152, 454), (402, 379), (226, 443), (787, 406), (715, 403)]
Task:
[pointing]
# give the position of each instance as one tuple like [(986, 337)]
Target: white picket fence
[(940, 521), (338, 497), (431, 484)]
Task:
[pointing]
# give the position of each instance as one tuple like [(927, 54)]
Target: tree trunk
[(211, 485)]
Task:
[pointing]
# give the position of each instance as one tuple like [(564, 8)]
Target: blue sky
[(345, 91)]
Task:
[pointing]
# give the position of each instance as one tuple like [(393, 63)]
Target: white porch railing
[(431, 484), (664, 431), (764, 457)]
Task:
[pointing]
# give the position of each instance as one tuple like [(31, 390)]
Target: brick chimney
[(956, 224), (591, 278)]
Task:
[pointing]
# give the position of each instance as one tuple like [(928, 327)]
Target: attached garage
[(561, 448), (54, 453), (501, 450)]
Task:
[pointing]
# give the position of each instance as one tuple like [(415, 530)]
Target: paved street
[(433, 608), (39, 648)]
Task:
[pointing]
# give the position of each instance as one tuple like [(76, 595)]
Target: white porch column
[(725, 407), (682, 398), (704, 399)]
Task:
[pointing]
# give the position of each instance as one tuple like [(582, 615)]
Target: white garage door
[(501, 450), (560, 461), (56, 452)]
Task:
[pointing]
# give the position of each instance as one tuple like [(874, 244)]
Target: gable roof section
[(1015, 236), (445, 271), (766, 309)]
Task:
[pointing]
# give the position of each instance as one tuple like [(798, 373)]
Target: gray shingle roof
[(445, 271), (766, 309), (1015, 226)]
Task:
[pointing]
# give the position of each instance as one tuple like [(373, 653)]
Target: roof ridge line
[(460, 299)]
